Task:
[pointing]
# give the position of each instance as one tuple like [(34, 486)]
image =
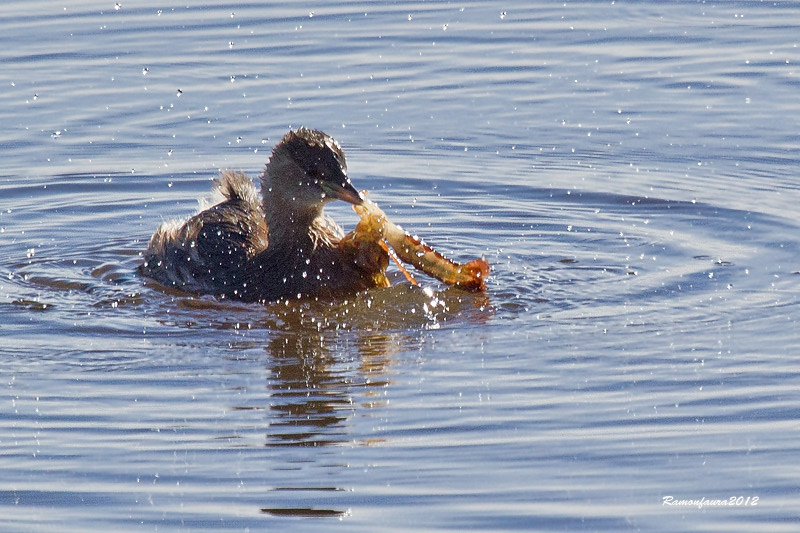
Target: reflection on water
[(314, 369), (328, 367), (304, 513), (311, 389), (316, 385)]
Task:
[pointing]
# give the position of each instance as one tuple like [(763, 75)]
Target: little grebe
[(282, 246)]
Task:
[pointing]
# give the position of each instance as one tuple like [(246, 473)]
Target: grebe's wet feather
[(279, 245)]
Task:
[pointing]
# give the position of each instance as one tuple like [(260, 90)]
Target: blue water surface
[(629, 169)]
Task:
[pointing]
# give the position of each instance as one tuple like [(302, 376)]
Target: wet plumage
[(279, 245)]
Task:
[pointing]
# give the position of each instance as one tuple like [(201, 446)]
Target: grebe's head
[(308, 169)]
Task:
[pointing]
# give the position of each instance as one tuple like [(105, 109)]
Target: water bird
[(278, 245)]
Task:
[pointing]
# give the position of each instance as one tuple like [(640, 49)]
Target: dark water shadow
[(304, 512), (319, 378)]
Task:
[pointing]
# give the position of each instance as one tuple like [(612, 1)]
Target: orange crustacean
[(376, 227)]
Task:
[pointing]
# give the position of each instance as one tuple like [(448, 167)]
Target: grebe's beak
[(342, 190)]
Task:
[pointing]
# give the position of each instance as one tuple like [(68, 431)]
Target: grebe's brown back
[(281, 246)]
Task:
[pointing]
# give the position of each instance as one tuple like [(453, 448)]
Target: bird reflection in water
[(316, 380), (328, 360)]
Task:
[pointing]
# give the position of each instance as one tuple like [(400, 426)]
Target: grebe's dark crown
[(322, 160)]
